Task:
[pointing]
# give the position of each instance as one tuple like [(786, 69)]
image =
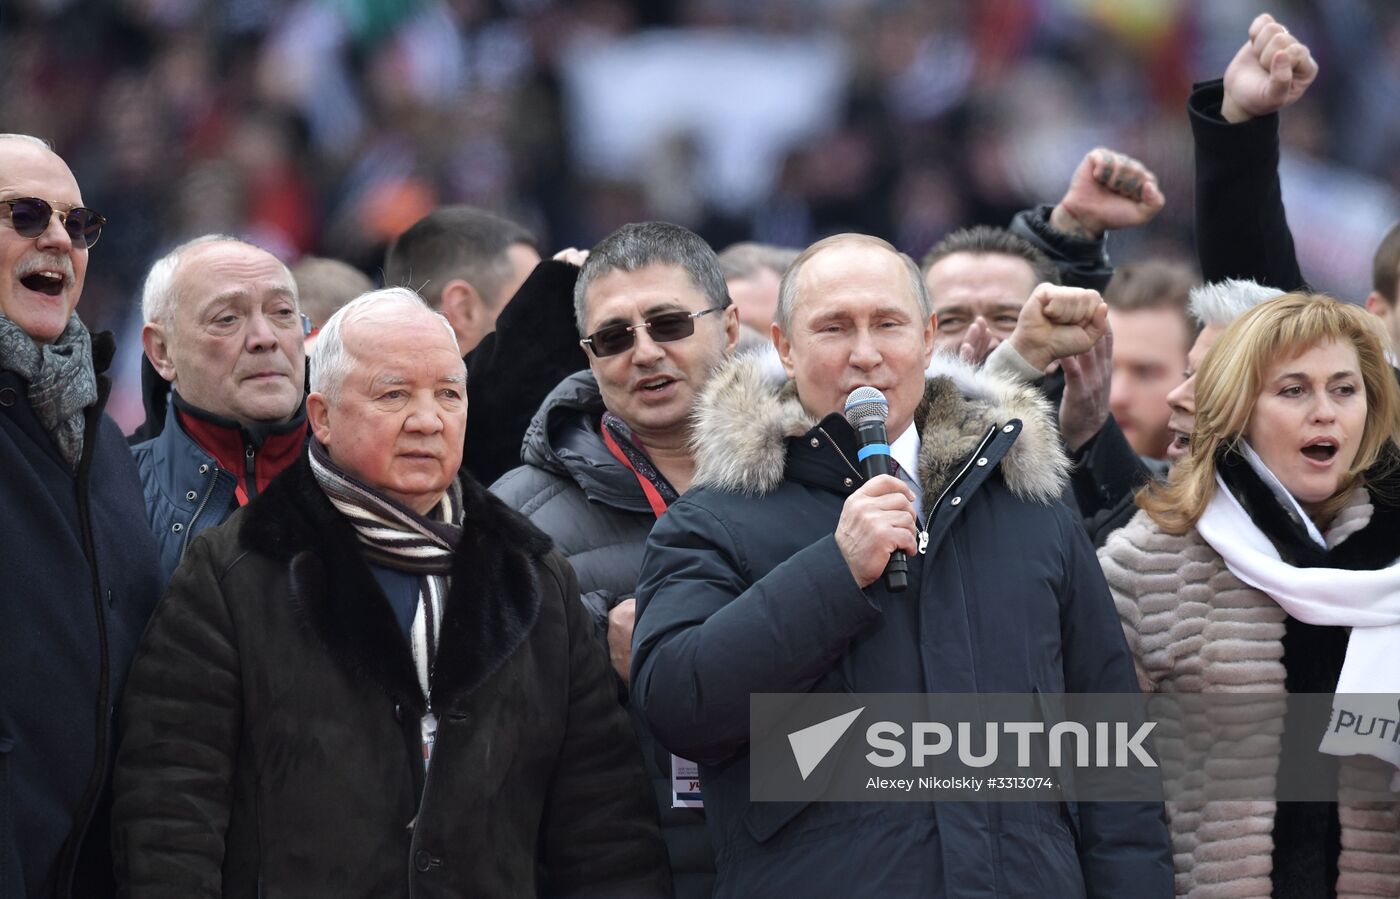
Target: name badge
[(685, 784), (429, 727)]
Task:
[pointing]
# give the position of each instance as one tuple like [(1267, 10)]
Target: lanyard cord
[(654, 499)]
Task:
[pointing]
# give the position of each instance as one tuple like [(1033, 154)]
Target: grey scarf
[(61, 380)]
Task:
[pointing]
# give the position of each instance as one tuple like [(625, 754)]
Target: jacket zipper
[(928, 519), (250, 472), (422, 801), (837, 447), (199, 510), (932, 510)]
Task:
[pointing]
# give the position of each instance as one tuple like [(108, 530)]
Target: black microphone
[(866, 410)]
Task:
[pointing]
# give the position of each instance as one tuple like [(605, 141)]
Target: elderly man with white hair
[(223, 327), (375, 679)]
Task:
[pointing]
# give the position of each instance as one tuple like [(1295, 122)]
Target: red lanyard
[(658, 505)]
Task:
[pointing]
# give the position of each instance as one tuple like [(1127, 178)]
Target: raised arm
[(1241, 228), (1109, 191)]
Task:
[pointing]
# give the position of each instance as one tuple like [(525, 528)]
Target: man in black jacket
[(765, 578), (609, 451), (79, 565), (375, 679)]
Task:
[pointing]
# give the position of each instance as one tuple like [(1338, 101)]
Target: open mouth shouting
[(48, 283), (1320, 451)]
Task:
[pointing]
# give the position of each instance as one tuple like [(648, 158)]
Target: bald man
[(80, 575)]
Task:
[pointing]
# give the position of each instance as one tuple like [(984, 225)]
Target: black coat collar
[(492, 606), (1370, 548)]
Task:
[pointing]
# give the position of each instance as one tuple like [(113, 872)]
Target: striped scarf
[(397, 537)]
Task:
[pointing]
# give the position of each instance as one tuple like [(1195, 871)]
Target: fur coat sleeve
[(171, 783)]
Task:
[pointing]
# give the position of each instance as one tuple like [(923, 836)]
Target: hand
[(571, 255), (875, 521), (1271, 71), (1057, 322), (977, 342), (1108, 191), (621, 618), (1084, 406)]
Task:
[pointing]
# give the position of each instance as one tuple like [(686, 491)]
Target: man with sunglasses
[(79, 567), (224, 328), (609, 450)]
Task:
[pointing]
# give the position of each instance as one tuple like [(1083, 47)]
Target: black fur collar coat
[(270, 729)]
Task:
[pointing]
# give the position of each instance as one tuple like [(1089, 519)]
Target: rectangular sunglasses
[(30, 216), (663, 327)]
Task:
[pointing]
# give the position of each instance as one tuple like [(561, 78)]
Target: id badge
[(685, 784), (429, 727)]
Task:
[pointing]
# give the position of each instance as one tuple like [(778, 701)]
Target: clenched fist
[(1108, 191), (1057, 322), (1272, 70), (875, 521)]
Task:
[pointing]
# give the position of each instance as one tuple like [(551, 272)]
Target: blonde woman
[(1267, 564)]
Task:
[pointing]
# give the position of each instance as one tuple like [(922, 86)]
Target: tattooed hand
[(1271, 71), (1109, 191)]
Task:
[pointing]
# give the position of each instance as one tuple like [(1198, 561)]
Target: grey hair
[(331, 362), (787, 290), (640, 244), (29, 139), (158, 293), (1221, 302)]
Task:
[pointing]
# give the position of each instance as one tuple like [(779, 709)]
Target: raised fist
[(1057, 322), (1108, 191), (1271, 71)]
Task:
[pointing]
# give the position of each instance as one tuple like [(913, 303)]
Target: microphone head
[(866, 404)]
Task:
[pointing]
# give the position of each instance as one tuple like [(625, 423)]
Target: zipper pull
[(923, 542)]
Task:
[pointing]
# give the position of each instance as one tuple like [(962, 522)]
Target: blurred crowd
[(329, 126), (283, 637)]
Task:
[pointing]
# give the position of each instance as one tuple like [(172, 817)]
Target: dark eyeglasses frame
[(647, 323), (89, 223)]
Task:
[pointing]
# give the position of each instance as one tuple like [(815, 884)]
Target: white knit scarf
[(1368, 602)]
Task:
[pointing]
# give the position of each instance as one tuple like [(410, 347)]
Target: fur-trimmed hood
[(749, 409)]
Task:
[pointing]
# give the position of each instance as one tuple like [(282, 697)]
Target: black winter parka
[(744, 590)]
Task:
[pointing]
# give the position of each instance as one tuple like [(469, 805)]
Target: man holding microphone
[(766, 577)]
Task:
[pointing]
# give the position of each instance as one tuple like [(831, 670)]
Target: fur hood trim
[(749, 409)]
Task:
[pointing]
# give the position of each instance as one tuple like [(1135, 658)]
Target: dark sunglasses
[(30, 217), (662, 327)]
